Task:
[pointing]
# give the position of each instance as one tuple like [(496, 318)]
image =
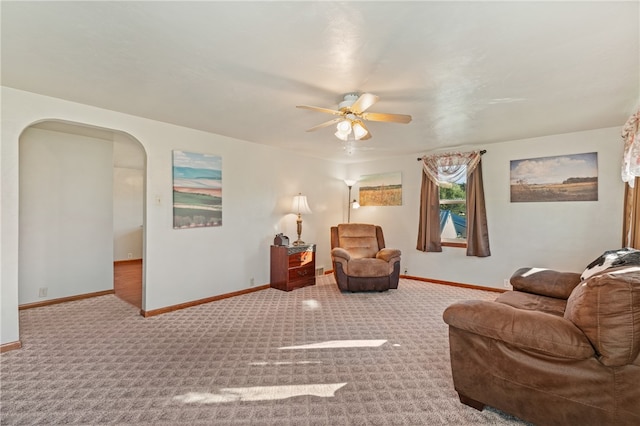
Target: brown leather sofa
[(360, 260), (555, 351)]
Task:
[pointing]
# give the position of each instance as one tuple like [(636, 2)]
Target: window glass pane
[(453, 209)]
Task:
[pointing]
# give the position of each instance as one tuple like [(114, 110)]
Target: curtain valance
[(631, 155), (449, 167)]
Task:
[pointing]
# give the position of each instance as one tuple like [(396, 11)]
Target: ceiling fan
[(351, 116)]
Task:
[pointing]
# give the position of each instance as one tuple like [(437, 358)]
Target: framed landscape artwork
[(384, 189), (560, 178), (197, 190)]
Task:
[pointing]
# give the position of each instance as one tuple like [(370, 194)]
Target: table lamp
[(300, 206)]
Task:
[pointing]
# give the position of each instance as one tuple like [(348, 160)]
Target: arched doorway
[(81, 208)]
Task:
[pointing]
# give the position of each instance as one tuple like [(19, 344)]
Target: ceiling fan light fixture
[(342, 136), (359, 131), (344, 127), (351, 115)]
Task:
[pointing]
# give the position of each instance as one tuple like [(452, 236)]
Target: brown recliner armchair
[(555, 351), (360, 260)]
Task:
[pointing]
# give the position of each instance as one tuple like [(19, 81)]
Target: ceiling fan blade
[(391, 118), (325, 124), (363, 102), (326, 110)]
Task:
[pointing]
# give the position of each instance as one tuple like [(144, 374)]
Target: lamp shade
[(299, 205), (350, 182), (344, 127), (359, 131), (342, 136)]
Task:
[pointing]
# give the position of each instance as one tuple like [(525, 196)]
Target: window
[(437, 205), (453, 211)]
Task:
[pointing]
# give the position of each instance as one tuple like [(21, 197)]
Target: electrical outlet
[(507, 283), (42, 292), (252, 282), (129, 255), (405, 271)]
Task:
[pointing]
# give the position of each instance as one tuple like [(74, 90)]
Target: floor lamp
[(353, 203)]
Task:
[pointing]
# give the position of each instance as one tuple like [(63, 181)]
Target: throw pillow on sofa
[(545, 282), (612, 259)]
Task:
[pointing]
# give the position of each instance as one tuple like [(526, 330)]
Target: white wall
[(182, 265), (561, 235), (65, 215)]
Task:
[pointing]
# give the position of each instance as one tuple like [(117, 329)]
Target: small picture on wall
[(384, 189), (560, 178), (197, 190)]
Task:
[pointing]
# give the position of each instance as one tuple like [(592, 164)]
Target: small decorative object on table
[(281, 240)]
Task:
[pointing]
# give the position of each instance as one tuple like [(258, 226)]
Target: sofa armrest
[(387, 254), (548, 334), (545, 282), (340, 253)]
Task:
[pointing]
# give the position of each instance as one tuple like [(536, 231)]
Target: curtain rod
[(482, 152)]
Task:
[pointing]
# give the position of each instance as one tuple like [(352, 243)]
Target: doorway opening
[(82, 192)]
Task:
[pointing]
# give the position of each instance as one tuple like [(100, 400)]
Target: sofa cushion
[(358, 239), (369, 267), (545, 282), (612, 259), (533, 302), (603, 308)]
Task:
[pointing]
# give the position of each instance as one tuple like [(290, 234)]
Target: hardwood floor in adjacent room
[(127, 281)]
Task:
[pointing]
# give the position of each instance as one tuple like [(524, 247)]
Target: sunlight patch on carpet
[(310, 305), (260, 393), (330, 344), (264, 363)]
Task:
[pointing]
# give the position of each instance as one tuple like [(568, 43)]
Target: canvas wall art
[(384, 189), (197, 190), (559, 178)]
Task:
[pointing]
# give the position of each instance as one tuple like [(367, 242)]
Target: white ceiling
[(468, 72)]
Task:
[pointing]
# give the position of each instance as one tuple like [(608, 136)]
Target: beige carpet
[(313, 356)]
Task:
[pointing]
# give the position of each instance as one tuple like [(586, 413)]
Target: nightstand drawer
[(300, 259), (301, 273)]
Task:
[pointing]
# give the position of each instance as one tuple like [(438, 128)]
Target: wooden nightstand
[(293, 266)]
